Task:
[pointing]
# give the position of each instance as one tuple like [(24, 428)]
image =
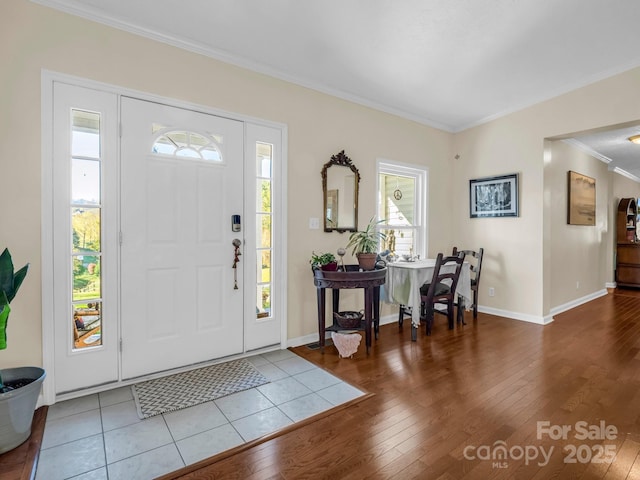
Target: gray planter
[(17, 406)]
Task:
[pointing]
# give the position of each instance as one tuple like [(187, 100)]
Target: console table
[(350, 277)]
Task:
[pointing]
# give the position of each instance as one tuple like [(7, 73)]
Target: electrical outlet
[(314, 223), (577, 285), (492, 291)]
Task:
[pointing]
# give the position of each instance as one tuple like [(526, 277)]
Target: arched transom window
[(187, 144)]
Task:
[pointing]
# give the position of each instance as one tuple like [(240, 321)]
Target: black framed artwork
[(494, 196)]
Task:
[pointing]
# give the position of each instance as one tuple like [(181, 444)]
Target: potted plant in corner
[(323, 261), (19, 387), (365, 244)]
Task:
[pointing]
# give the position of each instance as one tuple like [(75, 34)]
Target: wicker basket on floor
[(348, 319)]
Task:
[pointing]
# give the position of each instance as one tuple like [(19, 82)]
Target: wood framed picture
[(581, 205), (494, 196)]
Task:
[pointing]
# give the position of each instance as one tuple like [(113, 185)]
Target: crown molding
[(93, 15), (76, 8), (586, 149), (624, 173), (603, 158)]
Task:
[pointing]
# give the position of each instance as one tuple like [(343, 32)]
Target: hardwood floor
[(443, 404), (20, 463), (488, 382)]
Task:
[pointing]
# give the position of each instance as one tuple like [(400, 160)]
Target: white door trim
[(48, 396)]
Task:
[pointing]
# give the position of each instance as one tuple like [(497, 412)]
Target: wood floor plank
[(482, 385), (634, 471), (20, 463)]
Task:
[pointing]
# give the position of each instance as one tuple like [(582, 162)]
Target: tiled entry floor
[(100, 436)]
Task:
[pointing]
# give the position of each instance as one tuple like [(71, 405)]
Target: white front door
[(181, 183), (137, 236)]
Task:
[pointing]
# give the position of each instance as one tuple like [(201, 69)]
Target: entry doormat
[(187, 389)]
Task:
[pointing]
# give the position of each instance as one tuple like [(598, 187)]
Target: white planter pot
[(17, 406)]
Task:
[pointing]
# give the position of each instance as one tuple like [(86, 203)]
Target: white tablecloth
[(404, 280)]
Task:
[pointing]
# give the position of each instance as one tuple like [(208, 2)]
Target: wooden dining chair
[(441, 290), (475, 266), (402, 311)]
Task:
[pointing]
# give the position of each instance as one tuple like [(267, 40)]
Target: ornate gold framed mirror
[(340, 179)]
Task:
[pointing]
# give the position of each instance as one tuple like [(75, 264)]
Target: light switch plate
[(314, 223)]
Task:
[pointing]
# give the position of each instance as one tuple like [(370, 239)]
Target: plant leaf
[(4, 320), (17, 281), (9, 281), (6, 271), (3, 299)]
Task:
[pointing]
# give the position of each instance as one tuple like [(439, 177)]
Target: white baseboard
[(305, 340), (387, 319), (523, 317), (547, 319), (492, 311), (312, 338), (578, 301)]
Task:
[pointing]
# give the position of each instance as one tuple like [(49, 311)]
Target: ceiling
[(451, 64), (611, 145)]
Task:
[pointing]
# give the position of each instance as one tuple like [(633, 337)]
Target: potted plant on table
[(19, 387), (365, 244), (323, 261)]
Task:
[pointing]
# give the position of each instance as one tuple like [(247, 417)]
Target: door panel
[(263, 327), (84, 358), (179, 305)]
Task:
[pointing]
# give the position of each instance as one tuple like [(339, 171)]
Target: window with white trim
[(186, 144), (86, 209), (402, 205), (264, 220)]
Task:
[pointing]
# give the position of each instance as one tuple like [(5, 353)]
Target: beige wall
[(517, 262), (580, 255), (512, 245), (622, 188), (36, 38), (518, 250)]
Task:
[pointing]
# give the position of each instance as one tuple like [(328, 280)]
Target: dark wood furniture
[(350, 277), (475, 267), (628, 265), (628, 251), (404, 280), (626, 221), (441, 290)]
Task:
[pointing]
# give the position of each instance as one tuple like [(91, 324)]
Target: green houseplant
[(10, 282), (323, 261), (19, 387), (364, 244)]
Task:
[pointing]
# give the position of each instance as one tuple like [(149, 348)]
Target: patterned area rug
[(187, 389)]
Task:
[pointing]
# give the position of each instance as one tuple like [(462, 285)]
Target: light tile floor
[(100, 436)]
